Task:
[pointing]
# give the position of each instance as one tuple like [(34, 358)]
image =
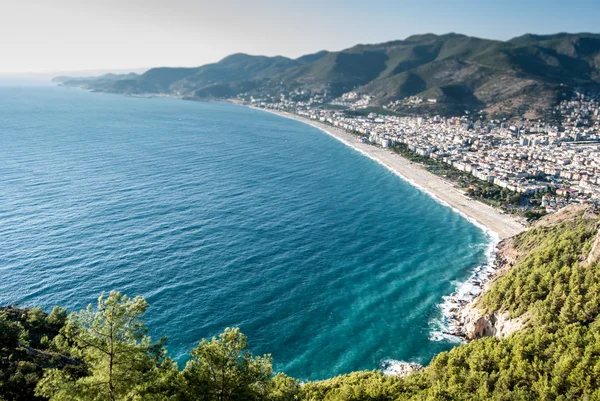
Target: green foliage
[(531, 365), (549, 281), (532, 215), (283, 388), (224, 369), (122, 362), (358, 386), (10, 333), (35, 317), (24, 337), (58, 317), (105, 354)]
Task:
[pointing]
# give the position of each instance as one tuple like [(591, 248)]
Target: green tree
[(24, 339), (10, 333), (122, 361), (283, 388), (223, 369), (58, 317)]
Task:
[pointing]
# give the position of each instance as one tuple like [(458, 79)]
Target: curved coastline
[(483, 216), (495, 225)]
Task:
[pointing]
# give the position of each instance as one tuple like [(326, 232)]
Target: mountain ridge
[(523, 75)]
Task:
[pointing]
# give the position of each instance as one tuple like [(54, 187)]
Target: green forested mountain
[(104, 353), (527, 73)]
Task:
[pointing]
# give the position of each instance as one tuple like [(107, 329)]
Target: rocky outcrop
[(594, 255), (468, 321), (400, 369), (473, 322), (477, 324)]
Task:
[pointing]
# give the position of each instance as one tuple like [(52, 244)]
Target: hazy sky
[(64, 35)]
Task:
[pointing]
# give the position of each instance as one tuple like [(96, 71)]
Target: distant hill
[(101, 83), (523, 75)]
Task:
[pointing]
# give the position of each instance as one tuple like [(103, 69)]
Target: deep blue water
[(223, 216)]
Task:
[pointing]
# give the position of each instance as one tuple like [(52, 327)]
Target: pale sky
[(70, 35)]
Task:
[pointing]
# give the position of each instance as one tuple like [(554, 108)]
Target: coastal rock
[(476, 324), (470, 322), (594, 255), (399, 368)]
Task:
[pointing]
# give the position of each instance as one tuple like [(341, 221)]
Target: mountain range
[(525, 75)]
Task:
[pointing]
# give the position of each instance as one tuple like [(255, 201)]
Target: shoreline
[(496, 226), (485, 217)]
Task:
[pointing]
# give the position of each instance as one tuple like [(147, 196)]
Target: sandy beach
[(502, 224)]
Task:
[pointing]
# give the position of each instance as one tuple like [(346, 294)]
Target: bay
[(223, 216)]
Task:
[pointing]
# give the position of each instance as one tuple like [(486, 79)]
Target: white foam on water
[(392, 367), (444, 327)]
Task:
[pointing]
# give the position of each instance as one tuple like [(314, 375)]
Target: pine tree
[(112, 342), (223, 369)]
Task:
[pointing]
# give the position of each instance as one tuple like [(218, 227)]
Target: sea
[(225, 216)]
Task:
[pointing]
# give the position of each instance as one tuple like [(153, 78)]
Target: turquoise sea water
[(223, 216)]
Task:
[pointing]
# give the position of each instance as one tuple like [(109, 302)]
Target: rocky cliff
[(475, 323)]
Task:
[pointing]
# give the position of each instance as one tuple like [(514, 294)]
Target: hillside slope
[(524, 74)]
